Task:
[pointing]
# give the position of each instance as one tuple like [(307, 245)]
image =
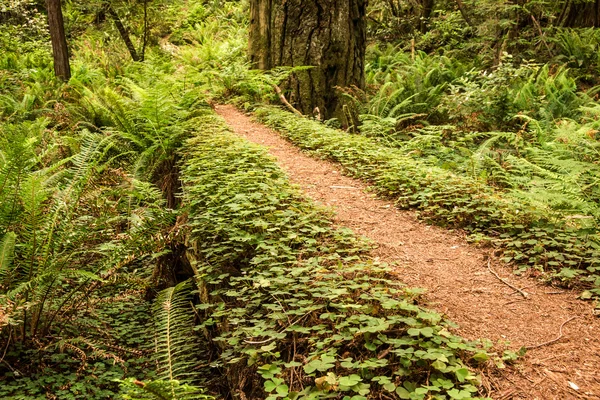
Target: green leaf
[(461, 374), (402, 393), (350, 380), (459, 394), (268, 371), (269, 347), (439, 365), (282, 390), (292, 364), (586, 295), (371, 346), (321, 365), (270, 386), (414, 331), (427, 332)]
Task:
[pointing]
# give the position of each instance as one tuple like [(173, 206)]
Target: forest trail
[(459, 281)]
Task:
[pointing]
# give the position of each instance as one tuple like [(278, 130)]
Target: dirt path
[(458, 281)]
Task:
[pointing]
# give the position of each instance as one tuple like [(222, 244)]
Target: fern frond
[(7, 252), (176, 346), (161, 390)]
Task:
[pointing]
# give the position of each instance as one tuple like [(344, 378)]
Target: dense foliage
[(148, 253), (85, 215), (529, 233), (298, 302)]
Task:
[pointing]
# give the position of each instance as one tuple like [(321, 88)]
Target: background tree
[(580, 14), (122, 32), (426, 10), (328, 35), (60, 51)]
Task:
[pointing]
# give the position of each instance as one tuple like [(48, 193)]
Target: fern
[(160, 390), (176, 345), (7, 252), (579, 47)]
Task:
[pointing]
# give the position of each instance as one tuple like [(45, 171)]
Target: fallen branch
[(539, 27), (261, 342), (285, 102), (560, 335), (461, 8), (522, 292)]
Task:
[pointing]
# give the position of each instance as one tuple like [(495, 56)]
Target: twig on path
[(512, 302), (560, 335), (524, 288), (285, 102), (522, 292), (538, 382), (342, 187)]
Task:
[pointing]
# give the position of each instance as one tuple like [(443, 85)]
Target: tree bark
[(581, 15), (329, 35), (123, 32), (60, 51)]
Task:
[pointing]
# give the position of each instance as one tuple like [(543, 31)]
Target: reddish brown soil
[(458, 281)]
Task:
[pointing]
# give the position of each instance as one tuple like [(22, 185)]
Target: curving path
[(459, 281)]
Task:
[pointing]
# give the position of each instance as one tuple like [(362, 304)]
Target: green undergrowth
[(295, 308), (525, 129), (562, 248), (87, 204), (95, 352)]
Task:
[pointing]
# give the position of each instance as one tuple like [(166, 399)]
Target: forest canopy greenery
[(146, 252)]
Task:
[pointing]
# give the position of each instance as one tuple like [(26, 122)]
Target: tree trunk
[(145, 37), (463, 13), (581, 15), (329, 35), (123, 32), (60, 51), (427, 9), (393, 8)]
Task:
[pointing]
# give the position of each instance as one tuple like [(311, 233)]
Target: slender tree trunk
[(123, 32), (463, 13), (393, 8), (427, 9), (60, 51), (563, 12), (329, 35), (145, 37)]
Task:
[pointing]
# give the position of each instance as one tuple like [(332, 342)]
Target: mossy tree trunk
[(329, 35)]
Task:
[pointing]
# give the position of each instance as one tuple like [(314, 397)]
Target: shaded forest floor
[(460, 281)]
